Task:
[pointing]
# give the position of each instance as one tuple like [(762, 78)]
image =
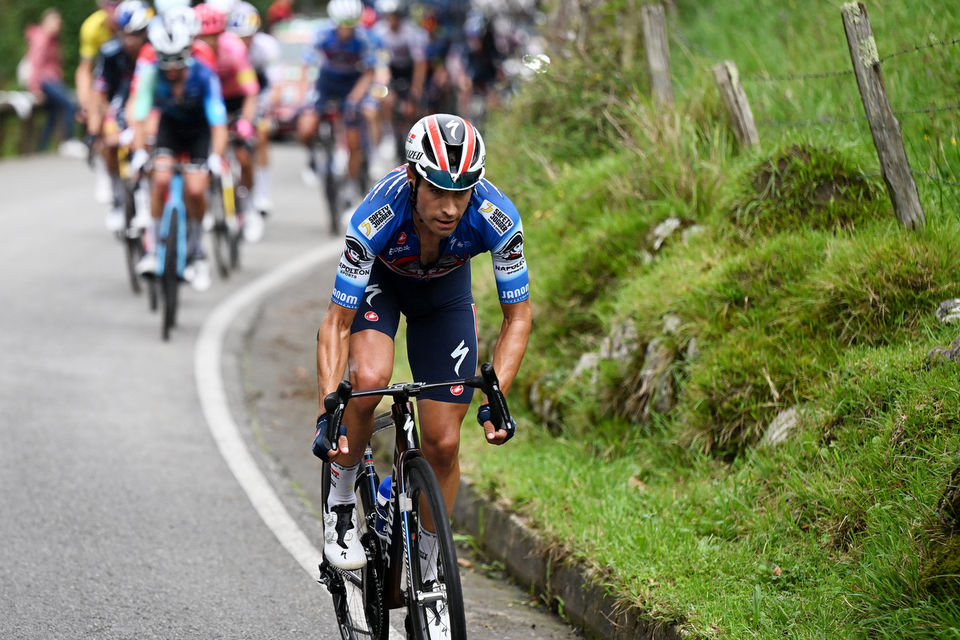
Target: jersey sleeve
[(213, 105), (144, 85), (503, 232), (367, 235), (91, 34)]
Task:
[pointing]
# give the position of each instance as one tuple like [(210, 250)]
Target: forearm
[(249, 109), (333, 344), (219, 137), (512, 343), (361, 87), (84, 82)]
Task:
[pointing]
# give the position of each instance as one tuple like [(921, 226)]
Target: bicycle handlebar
[(335, 403)]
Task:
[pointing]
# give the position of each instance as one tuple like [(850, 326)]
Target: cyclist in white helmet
[(193, 120), (347, 57), (264, 52), (407, 250)]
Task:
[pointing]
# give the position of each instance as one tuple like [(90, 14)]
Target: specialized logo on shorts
[(499, 220), (457, 389), (461, 352), (376, 221), (371, 316), (374, 290)]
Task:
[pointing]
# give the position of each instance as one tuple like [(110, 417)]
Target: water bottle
[(383, 498)]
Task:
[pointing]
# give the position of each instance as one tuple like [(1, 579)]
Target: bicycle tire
[(424, 491), (170, 282), (132, 242), (357, 595), (220, 232), (153, 297)]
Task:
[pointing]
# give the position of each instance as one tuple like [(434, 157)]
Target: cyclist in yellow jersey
[(95, 31)]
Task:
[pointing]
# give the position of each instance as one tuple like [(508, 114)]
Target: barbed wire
[(933, 178), (790, 77), (920, 47), (693, 46), (847, 120)]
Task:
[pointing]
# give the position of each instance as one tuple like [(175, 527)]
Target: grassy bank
[(788, 284)]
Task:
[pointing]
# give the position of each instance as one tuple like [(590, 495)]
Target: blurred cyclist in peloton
[(264, 52), (193, 119), (240, 88), (111, 87), (347, 58)]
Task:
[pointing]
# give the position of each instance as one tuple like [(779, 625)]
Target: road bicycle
[(391, 578), (226, 224), (132, 235), (326, 162), (172, 251)]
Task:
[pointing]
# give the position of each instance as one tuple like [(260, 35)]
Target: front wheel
[(434, 603)]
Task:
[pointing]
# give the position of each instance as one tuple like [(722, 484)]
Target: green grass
[(799, 289)]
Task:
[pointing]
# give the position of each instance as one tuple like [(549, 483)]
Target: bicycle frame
[(174, 204)]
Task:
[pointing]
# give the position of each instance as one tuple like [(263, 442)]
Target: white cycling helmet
[(171, 37), (132, 16), (163, 6), (446, 151), (226, 7), (389, 6), (244, 21), (345, 12)]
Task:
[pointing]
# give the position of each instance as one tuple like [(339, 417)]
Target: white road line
[(216, 409)]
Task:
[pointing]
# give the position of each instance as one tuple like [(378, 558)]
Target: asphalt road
[(119, 517)]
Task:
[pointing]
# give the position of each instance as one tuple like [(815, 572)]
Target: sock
[(261, 182), (157, 238), (342, 480), (428, 555), (119, 192), (194, 239)]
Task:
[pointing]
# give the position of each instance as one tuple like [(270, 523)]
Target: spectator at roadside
[(46, 81)]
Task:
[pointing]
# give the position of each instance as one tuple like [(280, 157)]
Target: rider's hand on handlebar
[(494, 435), (323, 447), (215, 164), (245, 130)]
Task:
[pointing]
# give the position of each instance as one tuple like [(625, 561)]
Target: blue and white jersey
[(343, 60), (382, 228)]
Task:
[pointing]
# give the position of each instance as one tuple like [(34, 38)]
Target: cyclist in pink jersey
[(240, 91)]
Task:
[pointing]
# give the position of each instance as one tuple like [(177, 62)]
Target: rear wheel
[(169, 282), (220, 232), (438, 602)]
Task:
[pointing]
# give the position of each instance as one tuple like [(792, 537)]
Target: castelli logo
[(401, 238), (371, 316), (456, 389)]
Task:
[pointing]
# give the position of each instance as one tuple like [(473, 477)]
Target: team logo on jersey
[(457, 389), (376, 221), (499, 220), (402, 238), (371, 316), (355, 253), (513, 249)]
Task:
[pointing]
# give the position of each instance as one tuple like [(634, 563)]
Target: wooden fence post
[(887, 137), (658, 53), (735, 99)]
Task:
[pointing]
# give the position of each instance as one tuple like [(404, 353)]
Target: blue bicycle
[(172, 251)]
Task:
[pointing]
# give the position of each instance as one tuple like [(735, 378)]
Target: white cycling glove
[(139, 160), (215, 163)]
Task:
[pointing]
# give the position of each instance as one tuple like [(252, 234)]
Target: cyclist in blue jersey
[(347, 58), (408, 250), (193, 119)]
